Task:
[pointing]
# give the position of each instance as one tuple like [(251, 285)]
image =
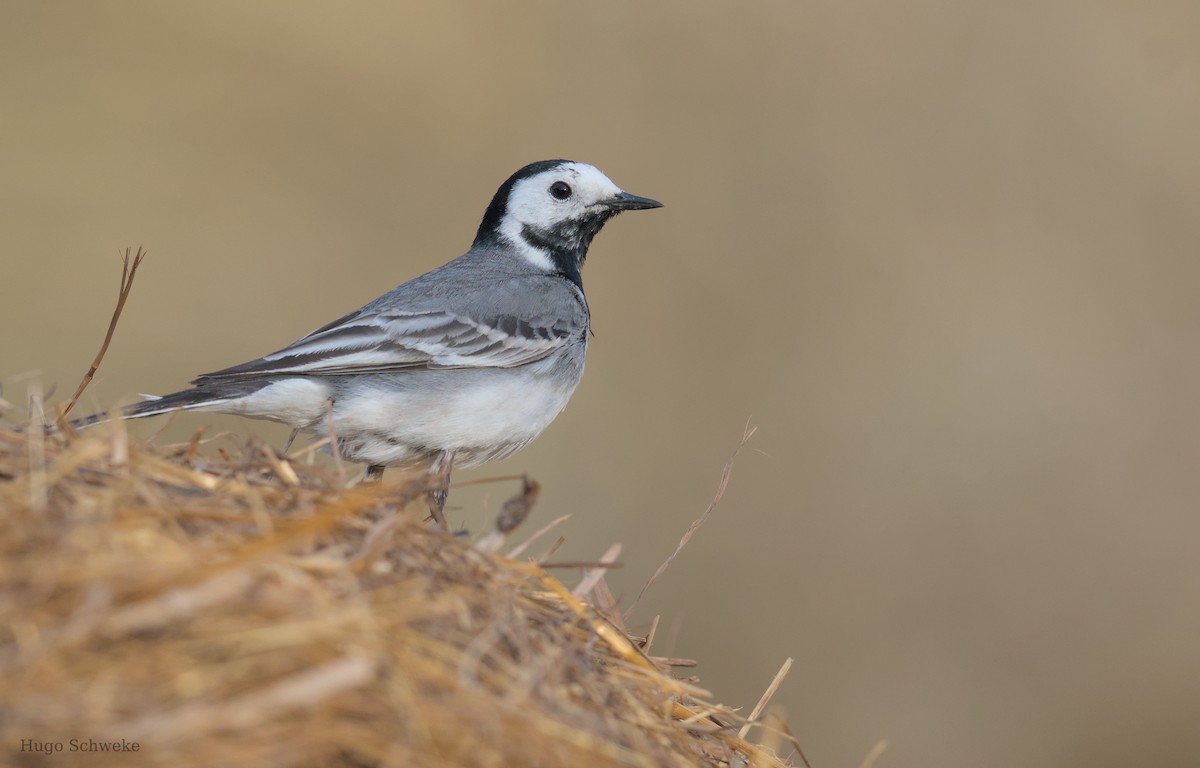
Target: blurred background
[(942, 254)]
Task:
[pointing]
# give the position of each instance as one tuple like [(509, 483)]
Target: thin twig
[(726, 473), (282, 469), (553, 548), (489, 480), (303, 689), (181, 602), (795, 744), (128, 271), (517, 550), (766, 697), (333, 442), (36, 448), (310, 449), (874, 754), (592, 576), (606, 603), (650, 635), (582, 564)]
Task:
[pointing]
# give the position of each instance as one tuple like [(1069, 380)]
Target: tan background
[(944, 254)]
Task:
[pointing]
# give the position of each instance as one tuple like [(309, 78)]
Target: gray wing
[(513, 323)]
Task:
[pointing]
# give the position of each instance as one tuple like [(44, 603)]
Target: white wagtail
[(463, 365)]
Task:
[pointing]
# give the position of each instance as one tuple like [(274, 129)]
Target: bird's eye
[(560, 190)]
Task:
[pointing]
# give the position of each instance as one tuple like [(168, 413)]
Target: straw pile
[(248, 609)]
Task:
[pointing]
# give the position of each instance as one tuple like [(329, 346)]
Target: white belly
[(407, 417), (480, 423)]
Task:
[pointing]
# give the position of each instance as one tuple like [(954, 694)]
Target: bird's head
[(549, 212)]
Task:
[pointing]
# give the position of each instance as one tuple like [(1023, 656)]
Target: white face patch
[(531, 203)]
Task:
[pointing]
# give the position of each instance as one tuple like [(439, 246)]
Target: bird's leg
[(374, 473), (291, 439), (440, 469)]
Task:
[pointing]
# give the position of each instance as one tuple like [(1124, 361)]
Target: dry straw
[(251, 610)]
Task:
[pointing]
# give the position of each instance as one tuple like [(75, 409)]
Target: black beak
[(627, 202)]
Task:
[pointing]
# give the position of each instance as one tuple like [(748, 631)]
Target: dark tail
[(188, 398)]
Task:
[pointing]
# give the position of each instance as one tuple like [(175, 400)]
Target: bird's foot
[(440, 487), (437, 503)]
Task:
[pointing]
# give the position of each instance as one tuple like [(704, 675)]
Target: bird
[(462, 365)]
